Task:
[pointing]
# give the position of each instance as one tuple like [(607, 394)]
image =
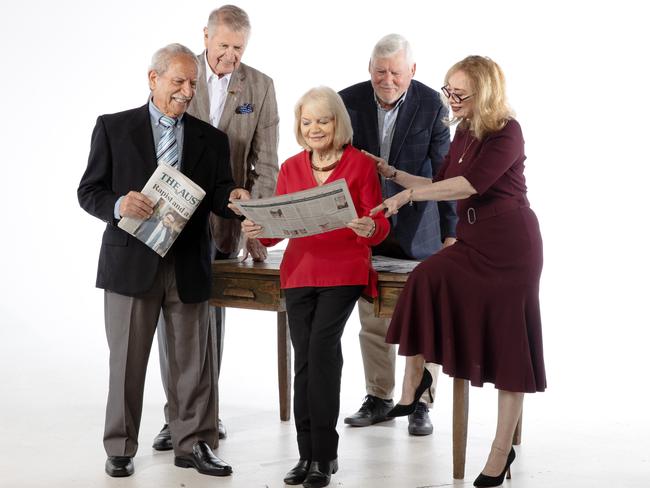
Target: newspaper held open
[(304, 213), (175, 198)]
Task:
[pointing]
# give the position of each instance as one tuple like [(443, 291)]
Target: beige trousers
[(379, 357)]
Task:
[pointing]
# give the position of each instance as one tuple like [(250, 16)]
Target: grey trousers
[(130, 326), (217, 332), (379, 357)]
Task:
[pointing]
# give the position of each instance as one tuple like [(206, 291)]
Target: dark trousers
[(317, 317)]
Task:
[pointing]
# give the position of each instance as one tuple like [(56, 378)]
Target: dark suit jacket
[(122, 158), (420, 143)]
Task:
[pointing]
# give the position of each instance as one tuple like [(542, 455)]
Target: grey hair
[(231, 16), (391, 44), (162, 58)]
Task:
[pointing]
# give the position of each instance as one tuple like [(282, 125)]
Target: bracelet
[(392, 177)]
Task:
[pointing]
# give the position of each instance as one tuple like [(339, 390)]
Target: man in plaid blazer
[(240, 101)]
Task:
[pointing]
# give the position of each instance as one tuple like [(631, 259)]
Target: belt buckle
[(471, 215)]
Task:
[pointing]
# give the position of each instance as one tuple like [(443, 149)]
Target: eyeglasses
[(456, 98)]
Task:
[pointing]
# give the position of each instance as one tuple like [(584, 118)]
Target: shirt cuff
[(116, 209)]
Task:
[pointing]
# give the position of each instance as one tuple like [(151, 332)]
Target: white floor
[(51, 420)]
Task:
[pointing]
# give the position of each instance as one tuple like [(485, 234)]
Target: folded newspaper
[(175, 198), (304, 213)]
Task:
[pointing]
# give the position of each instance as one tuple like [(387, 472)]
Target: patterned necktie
[(167, 151)]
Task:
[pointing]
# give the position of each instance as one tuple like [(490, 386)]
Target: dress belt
[(496, 208)]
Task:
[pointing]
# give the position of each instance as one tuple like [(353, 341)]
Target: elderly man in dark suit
[(398, 121), (138, 283), (240, 101)]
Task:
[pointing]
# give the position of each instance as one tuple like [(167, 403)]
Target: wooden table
[(256, 286)]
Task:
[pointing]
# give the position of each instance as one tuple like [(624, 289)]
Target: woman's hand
[(250, 229), (393, 204), (363, 227), (383, 168)]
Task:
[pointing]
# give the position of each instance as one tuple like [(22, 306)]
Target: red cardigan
[(339, 257)]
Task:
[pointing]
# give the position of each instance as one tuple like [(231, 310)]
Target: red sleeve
[(499, 152)]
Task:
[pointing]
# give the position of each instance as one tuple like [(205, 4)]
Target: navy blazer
[(420, 144), (122, 158)]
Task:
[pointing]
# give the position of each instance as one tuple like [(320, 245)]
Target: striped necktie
[(167, 151)]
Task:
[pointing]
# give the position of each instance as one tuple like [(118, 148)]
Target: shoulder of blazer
[(252, 75), (127, 118), (357, 96), (423, 94)]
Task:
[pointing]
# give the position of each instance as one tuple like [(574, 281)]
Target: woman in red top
[(324, 275), (474, 306)]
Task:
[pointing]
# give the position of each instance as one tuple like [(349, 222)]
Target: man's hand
[(237, 194), (449, 241), (136, 205), (255, 249)]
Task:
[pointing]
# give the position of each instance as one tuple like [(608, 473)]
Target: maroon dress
[(474, 307)]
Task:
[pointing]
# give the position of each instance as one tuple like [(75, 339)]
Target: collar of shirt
[(211, 76), (399, 102), (156, 115)]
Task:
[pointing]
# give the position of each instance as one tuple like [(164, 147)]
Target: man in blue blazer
[(401, 121)]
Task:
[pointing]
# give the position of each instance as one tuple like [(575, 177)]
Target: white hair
[(392, 44), (162, 58)]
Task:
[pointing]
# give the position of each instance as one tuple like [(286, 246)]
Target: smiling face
[(173, 90), (317, 127), (460, 85), (390, 77), (225, 47)]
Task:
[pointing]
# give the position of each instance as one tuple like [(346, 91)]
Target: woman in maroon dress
[(474, 306)]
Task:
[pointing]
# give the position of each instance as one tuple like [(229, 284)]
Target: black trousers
[(317, 317)]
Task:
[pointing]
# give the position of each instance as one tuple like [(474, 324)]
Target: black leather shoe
[(319, 474), (222, 430), (204, 461), (419, 421), (401, 410), (373, 410), (119, 466), (163, 441), (298, 473)]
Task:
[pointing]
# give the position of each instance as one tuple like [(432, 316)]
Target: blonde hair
[(488, 86), (332, 102)]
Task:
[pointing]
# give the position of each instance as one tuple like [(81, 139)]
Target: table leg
[(459, 431), (284, 366)]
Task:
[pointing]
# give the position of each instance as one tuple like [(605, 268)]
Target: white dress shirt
[(217, 92)]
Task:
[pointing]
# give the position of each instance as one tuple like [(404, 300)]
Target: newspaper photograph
[(304, 213), (175, 198)]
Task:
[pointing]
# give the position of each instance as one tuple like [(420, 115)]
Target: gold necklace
[(466, 147)]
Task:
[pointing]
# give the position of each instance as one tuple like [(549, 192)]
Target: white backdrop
[(578, 80)]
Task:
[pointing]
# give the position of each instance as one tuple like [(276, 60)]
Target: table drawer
[(240, 292)]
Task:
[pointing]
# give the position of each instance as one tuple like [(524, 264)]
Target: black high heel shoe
[(484, 480), (400, 410)]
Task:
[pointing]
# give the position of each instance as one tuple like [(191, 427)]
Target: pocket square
[(245, 108)]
